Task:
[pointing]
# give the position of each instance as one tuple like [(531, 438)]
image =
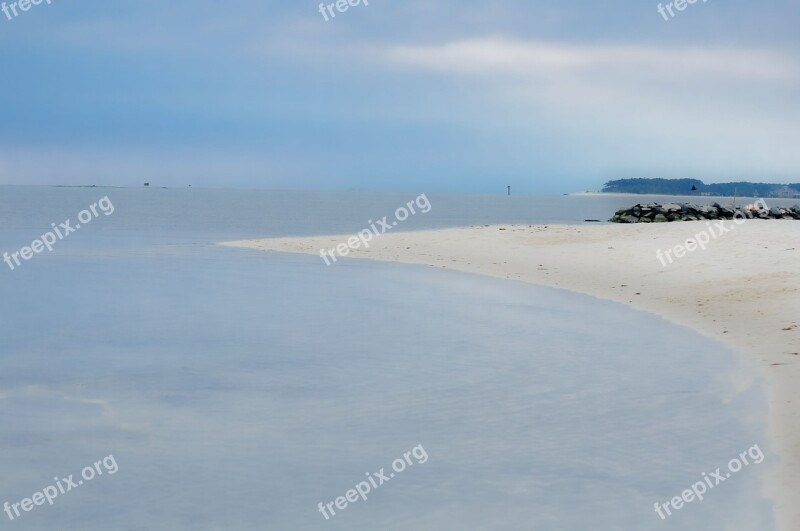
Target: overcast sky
[(434, 95)]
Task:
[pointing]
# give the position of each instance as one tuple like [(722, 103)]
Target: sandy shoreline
[(743, 290)]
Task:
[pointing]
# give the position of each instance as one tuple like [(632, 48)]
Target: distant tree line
[(698, 187)]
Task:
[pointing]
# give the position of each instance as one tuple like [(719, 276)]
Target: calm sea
[(237, 389)]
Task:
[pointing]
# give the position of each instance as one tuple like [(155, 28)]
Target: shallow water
[(238, 389)]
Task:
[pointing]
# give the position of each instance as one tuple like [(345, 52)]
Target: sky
[(403, 95)]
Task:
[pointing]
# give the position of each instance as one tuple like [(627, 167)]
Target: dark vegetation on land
[(697, 187)]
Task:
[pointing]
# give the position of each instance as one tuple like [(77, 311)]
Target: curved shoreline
[(743, 290)]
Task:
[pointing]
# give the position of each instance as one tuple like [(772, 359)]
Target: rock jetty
[(661, 213)]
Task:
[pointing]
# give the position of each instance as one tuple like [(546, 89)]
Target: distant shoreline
[(692, 196), (696, 187)]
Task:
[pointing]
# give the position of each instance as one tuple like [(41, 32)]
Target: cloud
[(488, 57), (711, 106)]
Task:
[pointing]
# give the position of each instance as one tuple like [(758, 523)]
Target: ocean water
[(238, 389)]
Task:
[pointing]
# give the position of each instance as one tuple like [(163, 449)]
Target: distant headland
[(698, 187)]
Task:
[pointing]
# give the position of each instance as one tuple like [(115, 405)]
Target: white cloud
[(700, 109), (493, 56)]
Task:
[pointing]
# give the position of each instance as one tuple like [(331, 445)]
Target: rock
[(655, 213)]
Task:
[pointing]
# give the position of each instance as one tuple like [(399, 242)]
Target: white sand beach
[(743, 290)]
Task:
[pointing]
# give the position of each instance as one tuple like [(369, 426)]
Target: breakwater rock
[(661, 213)]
